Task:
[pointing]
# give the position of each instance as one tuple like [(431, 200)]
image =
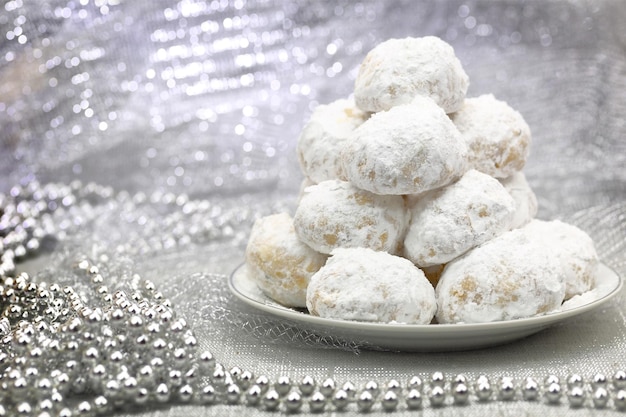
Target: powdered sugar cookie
[(364, 285), (497, 136), (278, 262), (508, 277), (398, 70), (573, 248), (335, 214), (409, 149), (525, 199), (448, 222), (323, 136)]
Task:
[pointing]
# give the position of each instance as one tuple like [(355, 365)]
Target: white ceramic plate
[(434, 337)]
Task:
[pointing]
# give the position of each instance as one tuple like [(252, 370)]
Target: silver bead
[(575, 380), (530, 390), (576, 396), (394, 385), (551, 379), (620, 400), (415, 382), (390, 400), (162, 393), (341, 399), (507, 389), (101, 405), (219, 376), (246, 379), (459, 379), (460, 394), (262, 382), (175, 378), (282, 385), (208, 395), (365, 401), (253, 395), (65, 412), (83, 409), (600, 397), (44, 405), (235, 372), (372, 387), (146, 377), (553, 393), (307, 385), (437, 379), (293, 402), (328, 387), (233, 393), (414, 399), (349, 388), (619, 380), (23, 408), (271, 400), (483, 390), (142, 395), (599, 380), (185, 393), (317, 402), (112, 389), (437, 396)]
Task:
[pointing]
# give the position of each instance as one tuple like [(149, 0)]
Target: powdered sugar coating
[(573, 248), (364, 285), (323, 136), (506, 278), (409, 149), (335, 214), (398, 70), (497, 136), (448, 222), (525, 199), (278, 262)]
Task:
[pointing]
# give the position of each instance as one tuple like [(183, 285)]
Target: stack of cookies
[(414, 208)]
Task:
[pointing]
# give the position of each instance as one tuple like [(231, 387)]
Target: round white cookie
[(573, 248), (447, 222), (497, 136), (507, 278), (323, 136), (278, 262), (525, 199), (409, 149), (364, 285), (335, 214), (398, 70)]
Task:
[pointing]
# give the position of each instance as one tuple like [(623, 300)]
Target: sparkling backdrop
[(191, 110)]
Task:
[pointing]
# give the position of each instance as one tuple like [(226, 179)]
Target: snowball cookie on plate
[(278, 262), (497, 136), (335, 214), (508, 277), (323, 135), (398, 70), (447, 222), (572, 247), (364, 285), (525, 199), (409, 149)]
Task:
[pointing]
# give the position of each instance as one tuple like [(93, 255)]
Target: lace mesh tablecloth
[(199, 101)]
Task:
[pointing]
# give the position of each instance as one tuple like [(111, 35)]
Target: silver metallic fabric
[(205, 99)]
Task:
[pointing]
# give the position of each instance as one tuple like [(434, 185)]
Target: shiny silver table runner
[(186, 115)]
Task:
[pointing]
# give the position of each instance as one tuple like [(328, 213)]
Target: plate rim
[(539, 322)]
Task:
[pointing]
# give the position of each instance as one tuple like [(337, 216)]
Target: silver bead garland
[(92, 349)]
